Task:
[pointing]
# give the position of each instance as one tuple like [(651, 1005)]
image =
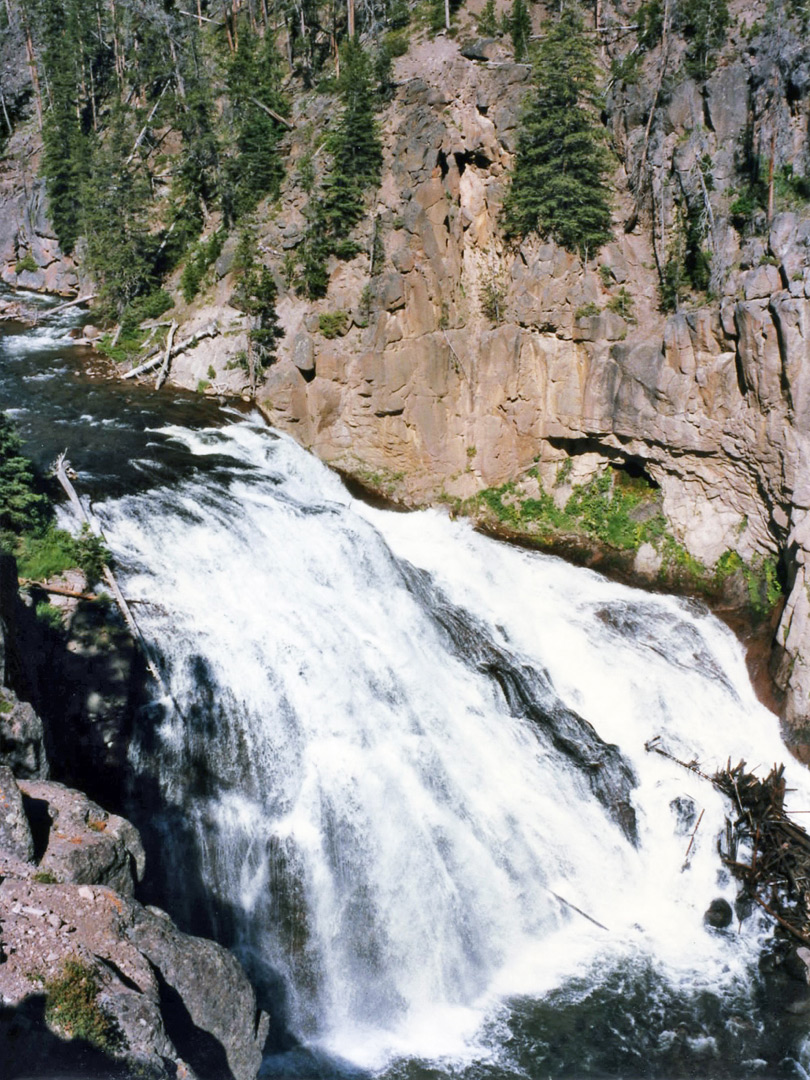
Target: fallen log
[(272, 113), (57, 590), (61, 473), (71, 303), (154, 358), (164, 369)]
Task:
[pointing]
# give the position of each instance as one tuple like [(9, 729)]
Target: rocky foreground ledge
[(92, 983)]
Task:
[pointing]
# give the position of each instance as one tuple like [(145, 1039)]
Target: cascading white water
[(385, 831)]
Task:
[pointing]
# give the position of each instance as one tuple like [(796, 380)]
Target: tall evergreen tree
[(559, 187), (254, 79), (356, 163), (520, 28), (115, 200)]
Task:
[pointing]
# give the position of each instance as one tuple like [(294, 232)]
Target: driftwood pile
[(776, 874)]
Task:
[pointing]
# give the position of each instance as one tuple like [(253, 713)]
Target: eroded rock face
[(182, 1006)]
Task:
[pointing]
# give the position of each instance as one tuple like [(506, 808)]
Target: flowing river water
[(402, 772)]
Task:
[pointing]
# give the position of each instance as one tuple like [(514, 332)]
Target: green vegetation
[(493, 295), (688, 264), (520, 28), (26, 264), (204, 255), (253, 168), (356, 160), (27, 527), (72, 1006), (487, 21), (50, 617), (45, 877), (112, 81), (606, 508), (622, 304), (587, 311), (255, 294), (559, 187), (333, 324), (24, 507), (704, 23), (621, 511)]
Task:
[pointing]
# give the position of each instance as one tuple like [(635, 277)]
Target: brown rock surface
[(177, 1002)]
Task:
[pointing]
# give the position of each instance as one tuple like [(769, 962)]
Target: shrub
[(91, 554), (493, 295), (72, 1006), (622, 304), (587, 311), (26, 264), (333, 324), (487, 21)]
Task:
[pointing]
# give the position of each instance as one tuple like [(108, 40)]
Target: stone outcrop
[(181, 1006)]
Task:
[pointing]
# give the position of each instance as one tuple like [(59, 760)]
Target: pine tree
[(356, 163), (115, 214), (254, 78), (520, 28), (559, 187), (22, 507)]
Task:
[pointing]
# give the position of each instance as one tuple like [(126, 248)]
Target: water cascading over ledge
[(407, 774)]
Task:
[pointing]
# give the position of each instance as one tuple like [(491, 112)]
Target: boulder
[(15, 834), (171, 1005), (718, 914), (83, 843)]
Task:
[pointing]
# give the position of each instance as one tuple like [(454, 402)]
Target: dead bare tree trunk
[(60, 471), (32, 66), (350, 13), (771, 157), (642, 169), (164, 370)]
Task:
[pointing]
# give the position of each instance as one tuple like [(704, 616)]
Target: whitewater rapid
[(374, 821)]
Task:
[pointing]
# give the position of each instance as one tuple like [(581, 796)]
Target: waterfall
[(405, 763)]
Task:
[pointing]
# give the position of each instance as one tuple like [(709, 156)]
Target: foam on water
[(386, 833)]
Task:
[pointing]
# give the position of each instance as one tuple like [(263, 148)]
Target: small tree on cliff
[(559, 187)]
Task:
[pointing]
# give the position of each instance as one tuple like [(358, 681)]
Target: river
[(402, 768)]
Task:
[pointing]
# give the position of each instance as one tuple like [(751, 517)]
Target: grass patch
[(618, 509), (72, 1007), (45, 555), (52, 551), (45, 877)]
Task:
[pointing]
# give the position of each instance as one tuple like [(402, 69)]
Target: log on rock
[(156, 356)]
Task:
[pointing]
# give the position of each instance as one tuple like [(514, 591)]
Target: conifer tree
[(520, 28), (356, 163), (254, 79), (115, 204), (559, 187)]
